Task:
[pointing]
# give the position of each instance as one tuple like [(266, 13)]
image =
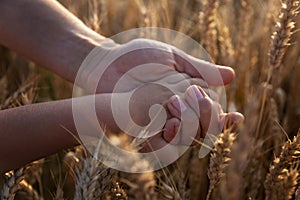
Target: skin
[(45, 32)]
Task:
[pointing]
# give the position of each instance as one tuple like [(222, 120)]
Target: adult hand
[(106, 64), (194, 110), (117, 69), (191, 113)]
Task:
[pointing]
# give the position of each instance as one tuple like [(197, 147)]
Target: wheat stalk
[(86, 179), (117, 193), (288, 184), (290, 153), (22, 96), (144, 19), (105, 182), (141, 185), (173, 180), (297, 194), (254, 172), (284, 30), (207, 27), (198, 181), (249, 166), (219, 160), (167, 192), (30, 192), (59, 193), (282, 35), (93, 20), (244, 19), (279, 44), (233, 183), (273, 126), (226, 48), (87, 173), (11, 186)]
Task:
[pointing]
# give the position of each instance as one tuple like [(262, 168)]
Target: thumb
[(214, 75)]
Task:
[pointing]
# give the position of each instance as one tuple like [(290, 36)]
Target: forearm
[(47, 33), (31, 132)]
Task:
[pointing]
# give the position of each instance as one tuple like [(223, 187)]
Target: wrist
[(95, 48)]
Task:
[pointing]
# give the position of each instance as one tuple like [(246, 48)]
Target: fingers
[(207, 114), (176, 106), (189, 125), (182, 85), (214, 75), (211, 94), (186, 127), (232, 121), (202, 105), (193, 96), (196, 109), (171, 132)]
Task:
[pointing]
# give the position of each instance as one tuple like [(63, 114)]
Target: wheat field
[(258, 38)]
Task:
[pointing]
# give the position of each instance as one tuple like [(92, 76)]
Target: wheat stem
[(219, 160)]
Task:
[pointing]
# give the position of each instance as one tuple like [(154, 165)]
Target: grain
[(207, 27), (219, 160), (11, 185), (278, 170), (244, 34), (282, 35)]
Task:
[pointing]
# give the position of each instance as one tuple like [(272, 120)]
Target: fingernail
[(198, 94), (178, 103)]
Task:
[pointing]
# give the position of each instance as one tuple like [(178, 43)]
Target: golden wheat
[(219, 160), (235, 33), (11, 185), (278, 170)]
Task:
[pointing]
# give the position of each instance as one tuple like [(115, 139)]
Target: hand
[(179, 132), (106, 64), (211, 117), (136, 68), (133, 111), (123, 68), (199, 111), (191, 114)]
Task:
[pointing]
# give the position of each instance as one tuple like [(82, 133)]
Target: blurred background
[(257, 38)]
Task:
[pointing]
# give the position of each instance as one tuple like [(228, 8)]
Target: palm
[(145, 72), (104, 67)]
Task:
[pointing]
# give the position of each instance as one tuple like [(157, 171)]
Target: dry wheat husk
[(11, 185), (207, 27), (297, 195), (289, 154), (219, 159), (28, 192), (282, 35)]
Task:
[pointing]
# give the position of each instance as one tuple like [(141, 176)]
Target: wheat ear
[(279, 44), (289, 154), (288, 183), (86, 179), (30, 192), (117, 192), (219, 160), (297, 194), (11, 186), (282, 35), (207, 27)]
